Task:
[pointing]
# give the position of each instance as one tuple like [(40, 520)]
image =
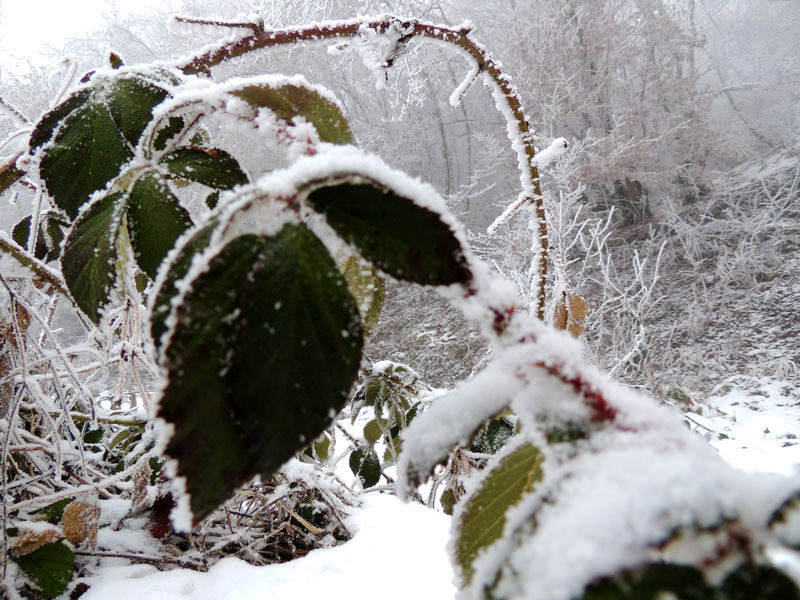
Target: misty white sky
[(28, 27)]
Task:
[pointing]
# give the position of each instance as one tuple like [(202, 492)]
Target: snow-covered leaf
[(155, 221), (90, 254), (365, 464), (91, 135), (403, 239), (50, 566), (214, 168), (173, 127), (289, 101), (265, 348), (482, 519)]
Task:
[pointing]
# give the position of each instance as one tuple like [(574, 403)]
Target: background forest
[(674, 214)]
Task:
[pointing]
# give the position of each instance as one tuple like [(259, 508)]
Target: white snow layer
[(398, 552)]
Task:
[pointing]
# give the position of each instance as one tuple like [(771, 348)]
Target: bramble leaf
[(483, 518), (266, 346), (214, 168), (289, 101), (50, 566), (405, 240), (90, 254), (177, 270), (652, 582), (155, 221), (365, 464)]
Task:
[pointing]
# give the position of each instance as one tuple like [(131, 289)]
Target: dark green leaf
[(759, 582), (404, 240), (484, 516), (214, 168), (50, 566), (90, 254), (131, 102), (9, 175), (87, 152), (48, 242), (93, 436), (654, 582), (55, 511), (179, 267), (365, 465), (493, 436), (289, 101), (173, 127), (46, 127), (212, 200), (266, 346), (155, 221)]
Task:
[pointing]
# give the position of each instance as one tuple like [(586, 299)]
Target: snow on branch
[(507, 99)]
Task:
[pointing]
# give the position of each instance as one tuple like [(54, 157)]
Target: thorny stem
[(517, 122)]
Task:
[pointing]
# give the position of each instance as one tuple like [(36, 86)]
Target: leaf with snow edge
[(367, 288), (289, 101), (46, 127), (177, 270), (87, 152), (9, 175), (758, 582), (481, 521), (493, 436), (131, 101), (365, 464), (652, 582), (50, 566), (214, 168), (265, 348), (90, 254), (92, 135), (405, 240), (155, 221)]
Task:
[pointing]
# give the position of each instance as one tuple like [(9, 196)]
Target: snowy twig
[(508, 100)]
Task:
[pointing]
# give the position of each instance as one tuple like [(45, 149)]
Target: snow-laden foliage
[(231, 304)]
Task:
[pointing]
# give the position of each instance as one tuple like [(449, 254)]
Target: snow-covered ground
[(399, 550)]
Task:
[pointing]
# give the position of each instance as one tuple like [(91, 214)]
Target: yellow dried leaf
[(570, 313), (29, 540), (80, 522)]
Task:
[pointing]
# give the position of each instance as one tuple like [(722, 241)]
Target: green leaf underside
[(266, 347), (90, 255), (92, 137), (290, 101), (484, 516), (179, 267), (214, 168), (155, 221), (405, 240), (367, 288), (50, 566), (365, 464)]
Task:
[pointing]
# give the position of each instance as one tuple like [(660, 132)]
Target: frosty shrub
[(253, 331)]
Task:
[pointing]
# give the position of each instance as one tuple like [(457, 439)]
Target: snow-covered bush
[(219, 301)]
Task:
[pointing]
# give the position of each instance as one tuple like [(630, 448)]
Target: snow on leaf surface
[(214, 168)]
